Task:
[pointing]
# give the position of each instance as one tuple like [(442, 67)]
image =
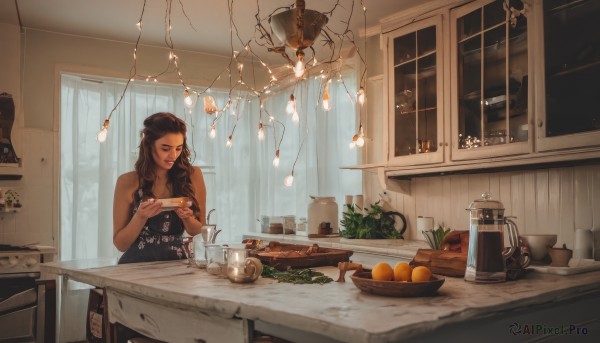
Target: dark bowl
[(365, 283)]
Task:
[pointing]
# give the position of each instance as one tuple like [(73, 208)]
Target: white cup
[(583, 247)]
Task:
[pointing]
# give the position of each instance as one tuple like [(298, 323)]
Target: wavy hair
[(157, 126)]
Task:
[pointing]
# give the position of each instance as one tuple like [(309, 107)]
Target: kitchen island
[(176, 303)]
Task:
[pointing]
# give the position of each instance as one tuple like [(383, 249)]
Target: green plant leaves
[(376, 224)]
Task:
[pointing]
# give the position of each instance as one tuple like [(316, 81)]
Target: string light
[(103, 133), (261, 132), (213, 132), (276, 159), (289, 180), (360, 96), (326, 102), (228, 144), (299, 68), (295, 117), (291, 105)]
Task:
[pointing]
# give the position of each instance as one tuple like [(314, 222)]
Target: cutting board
[(441, 262), (576, 266)]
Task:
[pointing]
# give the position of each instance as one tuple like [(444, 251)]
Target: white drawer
[(172, 324)]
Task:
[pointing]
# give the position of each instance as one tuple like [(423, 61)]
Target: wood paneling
[(556, 200)]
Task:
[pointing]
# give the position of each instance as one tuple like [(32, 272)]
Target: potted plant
[(375, 224)]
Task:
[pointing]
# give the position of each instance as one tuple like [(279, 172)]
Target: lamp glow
[(261, 132), (291, 105), (299, 68), (326, 103), (103, 133), (276, 159), (228, 144), (289, 180), (213, 132), (187, 99), (360, 96), (360, 142), (295, 117)]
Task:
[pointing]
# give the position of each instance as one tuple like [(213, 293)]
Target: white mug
[(583, 246)]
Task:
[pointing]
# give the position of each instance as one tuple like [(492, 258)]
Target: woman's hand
[(184, 213), (149, 208)]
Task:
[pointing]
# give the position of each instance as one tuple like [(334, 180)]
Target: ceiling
[(206, 28)]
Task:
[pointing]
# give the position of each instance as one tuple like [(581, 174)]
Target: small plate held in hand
[(171, 204)]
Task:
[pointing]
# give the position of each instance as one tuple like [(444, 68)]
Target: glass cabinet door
[(414, 105), (490, 69), (571, 55)]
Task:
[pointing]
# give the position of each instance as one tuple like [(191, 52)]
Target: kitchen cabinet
[(515, 86), (489, 65), (568, 92), (415, 124)]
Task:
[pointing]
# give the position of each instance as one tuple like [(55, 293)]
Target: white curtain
[(241, 182)]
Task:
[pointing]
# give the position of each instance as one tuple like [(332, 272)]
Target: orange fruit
[(382, 272), (421, 274), (402, 272)]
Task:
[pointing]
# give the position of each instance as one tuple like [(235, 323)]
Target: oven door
[(18, 308)]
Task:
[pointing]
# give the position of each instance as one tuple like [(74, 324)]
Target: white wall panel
[(544, 201)]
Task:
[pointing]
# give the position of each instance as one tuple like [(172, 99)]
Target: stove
[(23, 296)]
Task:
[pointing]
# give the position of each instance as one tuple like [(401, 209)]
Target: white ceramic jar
[(322, 210)]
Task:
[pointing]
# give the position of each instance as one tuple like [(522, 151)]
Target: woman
[(163, 170)]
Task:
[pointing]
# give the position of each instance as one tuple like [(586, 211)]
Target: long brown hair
[(157, 126)]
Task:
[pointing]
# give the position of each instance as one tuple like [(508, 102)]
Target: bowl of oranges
[(400, 281)]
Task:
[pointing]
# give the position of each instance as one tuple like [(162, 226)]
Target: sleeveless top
[(160, 240)]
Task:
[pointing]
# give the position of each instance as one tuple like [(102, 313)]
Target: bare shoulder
[(196, 173), (127, 183)]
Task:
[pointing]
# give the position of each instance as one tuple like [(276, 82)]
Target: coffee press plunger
[(486, 259)]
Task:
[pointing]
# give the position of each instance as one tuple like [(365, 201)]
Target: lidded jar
[(322, 212), (486, 260)]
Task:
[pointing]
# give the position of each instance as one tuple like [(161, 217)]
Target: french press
[(486, 259)]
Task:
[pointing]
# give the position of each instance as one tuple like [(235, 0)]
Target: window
[(241, 182)]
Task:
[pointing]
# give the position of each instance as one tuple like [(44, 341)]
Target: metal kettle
[(486, 259)]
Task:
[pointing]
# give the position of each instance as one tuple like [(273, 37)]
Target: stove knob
[(13, 260), (30, 262)]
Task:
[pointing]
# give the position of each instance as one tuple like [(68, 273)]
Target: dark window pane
[(404, 48)]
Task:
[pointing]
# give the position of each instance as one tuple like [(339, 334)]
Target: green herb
[(295, 276), (436, 236), (376, 224)]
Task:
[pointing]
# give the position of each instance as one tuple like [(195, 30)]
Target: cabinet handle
[(441, 144), (540, 123)]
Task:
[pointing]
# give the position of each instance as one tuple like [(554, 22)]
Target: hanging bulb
[(299, 68), (295, 117), (261, 132), (139, 25), (103, 133), (326, 103), (187, 99), (276, 159), (289, 180), (291, 105), (213, 132), (228, 144), (360, 96), (360, 140)]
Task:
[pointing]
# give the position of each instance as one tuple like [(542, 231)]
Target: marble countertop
[(336, 310), (393, 247)]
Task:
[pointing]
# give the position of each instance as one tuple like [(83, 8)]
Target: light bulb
[(326, 103), (289, 180), (187, 99), (213, 132), (276, 159), (360, 142), (261, 132), (291, 105), (228, 144), (299, 68), (352, 145), (295, 117), (103, 133), (360, 96)]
